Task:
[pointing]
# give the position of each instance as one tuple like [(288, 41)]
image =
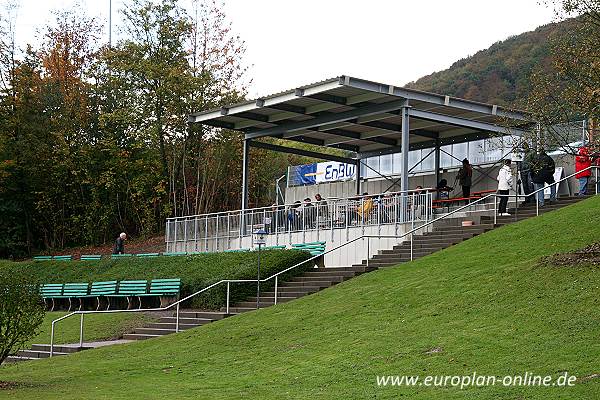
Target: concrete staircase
[(309, 282), (450, 232)]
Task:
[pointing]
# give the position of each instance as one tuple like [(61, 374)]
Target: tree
[(21, 312), (568, 87)]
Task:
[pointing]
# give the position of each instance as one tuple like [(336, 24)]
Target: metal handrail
[(276, 275)]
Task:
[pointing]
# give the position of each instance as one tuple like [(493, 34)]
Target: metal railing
[(217, 231), (410, 233)]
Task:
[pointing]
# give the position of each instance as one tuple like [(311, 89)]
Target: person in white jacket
[(505, 181)]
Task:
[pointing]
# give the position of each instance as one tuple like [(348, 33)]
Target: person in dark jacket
[(525, 172), (542, 172), (120, 244), (465, 175)]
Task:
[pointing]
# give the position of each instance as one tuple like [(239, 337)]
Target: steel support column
[(436, 162), (357, 177), (405, 147), (245, 161)]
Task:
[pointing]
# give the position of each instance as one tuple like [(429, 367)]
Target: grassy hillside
[(482, 306), (196, 272), (499, 74)]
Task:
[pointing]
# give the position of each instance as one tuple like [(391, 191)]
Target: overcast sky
[(291, 43)]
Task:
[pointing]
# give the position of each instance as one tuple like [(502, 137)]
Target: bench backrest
[(63, 258), (75, 289), (177, 253), (148, 255), (103, 288), (166, 287), (90, 257), (133, 287), (274, 247), (42, 258), (121, 255), (49, 290)]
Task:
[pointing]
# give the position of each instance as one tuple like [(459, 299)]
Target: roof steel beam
[(301, 152), (326, 119), (411, 94), (464, 123)]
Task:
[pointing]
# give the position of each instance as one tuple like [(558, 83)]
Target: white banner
[(335, 171)]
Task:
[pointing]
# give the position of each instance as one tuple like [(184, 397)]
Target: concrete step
[(212, 315), (298, 288), (420, 247), (357, 270), (399, 256), (317, 280), (139, 336), (327, 274), (59, 348), (38, 354), (287, 294), (153, 331), (169, 326), (269, 299), (187, 321), (239, 310), (463, 229)]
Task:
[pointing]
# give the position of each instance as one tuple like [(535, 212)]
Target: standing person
[(505, 181), (120, 244), (323, 209), (583, 161), (465, 175), (525, 168), (542, 172)]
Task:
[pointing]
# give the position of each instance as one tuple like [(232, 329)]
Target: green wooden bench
[(62, 258), (121, 255), (101, 290), (130, 289), (51, 291), (236, 250), (90, 257), (75, 291), (280, 247), (145, 255), (164, 289), (177, 253), (42, 258), (315, 248)]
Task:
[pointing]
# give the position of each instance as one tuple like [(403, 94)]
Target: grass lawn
[(484, 305), (97, 327)]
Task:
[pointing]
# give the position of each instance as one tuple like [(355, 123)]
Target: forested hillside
[(499, 74)]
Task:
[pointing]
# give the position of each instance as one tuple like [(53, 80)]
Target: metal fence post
[(52, 340), (495, 209), (177, 319), (81, 332), (276, 281), (227, 306), (368, 249)]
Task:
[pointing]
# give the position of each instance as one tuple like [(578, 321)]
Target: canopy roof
[(365, 117)]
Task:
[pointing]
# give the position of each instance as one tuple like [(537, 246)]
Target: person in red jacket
[(583, 161)]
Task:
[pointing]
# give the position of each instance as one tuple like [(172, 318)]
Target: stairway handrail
[(276, 275)]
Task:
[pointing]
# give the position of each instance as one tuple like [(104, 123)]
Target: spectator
[(505, 181), (309, 213), (443, 189), (525, 170), (583, 161), (542, 171), (120, 244), (465, 175), (364, 209), (323, 207), (293, 216)]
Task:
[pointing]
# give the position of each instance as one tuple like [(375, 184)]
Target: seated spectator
[(365, 207), (443, 189)]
